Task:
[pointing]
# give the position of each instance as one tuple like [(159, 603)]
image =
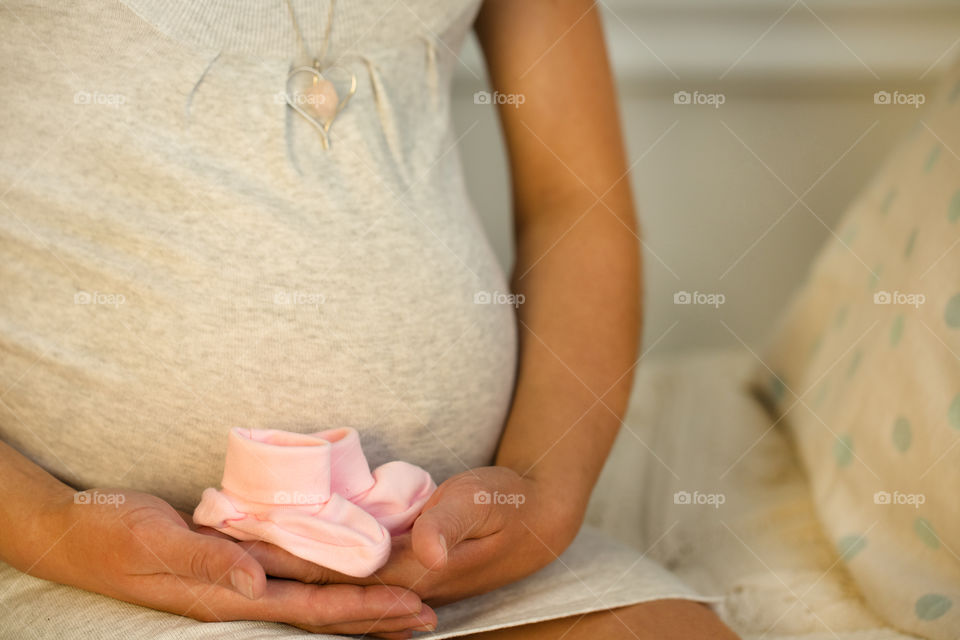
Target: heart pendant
[(318, 102)]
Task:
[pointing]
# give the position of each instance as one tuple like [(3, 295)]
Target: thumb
[(213, 560), (456, 516)]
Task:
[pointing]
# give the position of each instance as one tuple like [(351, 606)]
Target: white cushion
[(693, 425), (865, 370)]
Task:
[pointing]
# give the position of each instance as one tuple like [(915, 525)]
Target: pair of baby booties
[(315, 496)]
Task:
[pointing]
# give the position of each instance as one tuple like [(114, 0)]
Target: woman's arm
[(29, 494), (577, 249)]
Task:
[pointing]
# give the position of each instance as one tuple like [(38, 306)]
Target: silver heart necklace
[(318, 103)]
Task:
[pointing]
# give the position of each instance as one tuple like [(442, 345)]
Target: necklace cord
[(318, 61)]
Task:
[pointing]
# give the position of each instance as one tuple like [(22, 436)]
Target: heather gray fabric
[(237, 273), (180, 255)]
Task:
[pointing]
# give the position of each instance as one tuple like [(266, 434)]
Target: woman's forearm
[(578, 270), (28, 493), (577, 256)]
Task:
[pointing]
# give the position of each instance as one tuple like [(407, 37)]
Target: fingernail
[(443, 544), (242, 582), (425, 627)]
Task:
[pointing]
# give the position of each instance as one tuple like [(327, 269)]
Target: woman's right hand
[(135, 547)]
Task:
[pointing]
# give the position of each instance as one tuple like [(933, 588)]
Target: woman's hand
[(135, 547), (482, 529)]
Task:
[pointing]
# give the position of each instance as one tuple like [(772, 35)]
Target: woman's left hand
[(482, 529)]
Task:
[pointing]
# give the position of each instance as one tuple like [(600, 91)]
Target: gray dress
[(179, 255)]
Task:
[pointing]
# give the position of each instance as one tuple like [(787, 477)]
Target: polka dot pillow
[(866, 377)]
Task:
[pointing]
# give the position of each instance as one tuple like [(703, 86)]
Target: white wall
[(715, 194)]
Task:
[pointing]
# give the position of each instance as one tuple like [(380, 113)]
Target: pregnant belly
[(135, 374)]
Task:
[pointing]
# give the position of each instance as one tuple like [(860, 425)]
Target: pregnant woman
[(251, 213)]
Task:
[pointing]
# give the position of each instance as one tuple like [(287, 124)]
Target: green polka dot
[(912, 240), (896, 330), (953, 211), (875, 276), (932, 158), (821, 395), (843, 451), (952, 313), (901, 434), (924, 531), (953, 413), (849, 546), (841, 317), (815, 347), (887, 201), (854, 363), (777, 387), (849, 235), (932, 605)]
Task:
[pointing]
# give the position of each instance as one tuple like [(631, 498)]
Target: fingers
[(456, 516), (210, 531), (336, 603), (211, 560), (425, 621), (402, 569), (328, 607), (280, 563)]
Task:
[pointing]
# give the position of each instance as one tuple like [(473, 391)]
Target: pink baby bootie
[(394, 493), (277, 488)]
